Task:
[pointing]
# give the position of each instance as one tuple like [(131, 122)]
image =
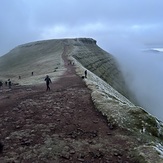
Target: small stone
[(115, 154), (66, 156), (15, 109), (26, 142), (72, 152), (90, 142), (108, 133), (7, 138), (119, 157), (29, 89), (81, 159), (95, 121), (17, 127), (32, 131), (49, 149), (6, 119)]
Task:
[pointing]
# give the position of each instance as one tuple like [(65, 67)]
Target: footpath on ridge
[(58, 126)]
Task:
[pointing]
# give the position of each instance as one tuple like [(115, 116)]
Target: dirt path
[(61, 125)]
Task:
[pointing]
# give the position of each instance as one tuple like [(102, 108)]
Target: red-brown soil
[(29, 115)]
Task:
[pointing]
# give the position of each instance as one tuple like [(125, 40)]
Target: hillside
[(140, 133), (39, 57)]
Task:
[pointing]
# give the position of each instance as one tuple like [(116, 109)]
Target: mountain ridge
[(105, 65), (109, 91)]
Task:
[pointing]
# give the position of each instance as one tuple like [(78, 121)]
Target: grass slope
[(41, 57)]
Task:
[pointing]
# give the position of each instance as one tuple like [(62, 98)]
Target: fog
[(143, 73)]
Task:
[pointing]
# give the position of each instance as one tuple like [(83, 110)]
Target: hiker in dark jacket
[(85, 73), (1, 84), (48, 81), (9, 83)]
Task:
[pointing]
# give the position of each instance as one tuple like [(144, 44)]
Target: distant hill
[(40, 57)]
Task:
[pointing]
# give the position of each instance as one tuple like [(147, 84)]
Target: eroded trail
[(61, 125)]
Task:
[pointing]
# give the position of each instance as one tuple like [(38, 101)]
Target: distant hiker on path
[(32, 73), (6, 83), (85, 73), (48, 81), (1, 84), (9, 83)]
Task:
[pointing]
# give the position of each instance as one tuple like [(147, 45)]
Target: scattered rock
[(97, 154), (26, 142), (81, 159), (95, 121), (29, 89), (7, 138), (72, 152), (15, 109)]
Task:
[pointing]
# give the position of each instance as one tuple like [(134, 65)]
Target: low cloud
[(143, 73)]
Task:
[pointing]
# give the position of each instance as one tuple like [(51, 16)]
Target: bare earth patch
[(59, 126)]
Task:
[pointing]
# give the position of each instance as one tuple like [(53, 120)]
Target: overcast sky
[(23, 21)]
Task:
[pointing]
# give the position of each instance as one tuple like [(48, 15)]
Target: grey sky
[(24, 21)]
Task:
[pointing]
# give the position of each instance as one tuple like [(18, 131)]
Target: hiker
[(32, 73), (48, 81), (19, 77), (85, 73), (5, 83), (1, 84), (9, 83)]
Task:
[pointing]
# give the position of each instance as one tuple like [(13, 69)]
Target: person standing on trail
[(48, 81), (6, 83), (1, 84), (85, 73), (9, 83)]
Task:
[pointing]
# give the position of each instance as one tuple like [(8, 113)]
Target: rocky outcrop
[(86, 41)]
